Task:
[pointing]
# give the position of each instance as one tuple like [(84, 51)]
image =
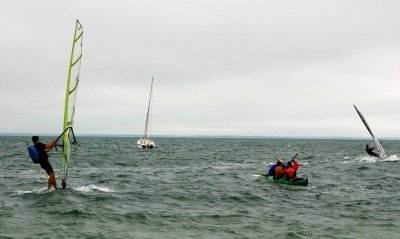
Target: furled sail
[(68, 137), (146, 141), (146, 132), (376, 149)]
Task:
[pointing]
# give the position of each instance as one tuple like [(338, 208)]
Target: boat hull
[(146, 144), (296, 181)]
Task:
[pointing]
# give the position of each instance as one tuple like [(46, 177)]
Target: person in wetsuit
[(42, 150), (370, 151)]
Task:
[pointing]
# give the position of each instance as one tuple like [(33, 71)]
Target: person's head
[(35, 139), (280, 161), (289, 164)]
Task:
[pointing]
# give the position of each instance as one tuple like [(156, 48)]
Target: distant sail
[(377, 148), (68, 136), (146, 142), (146, 131)]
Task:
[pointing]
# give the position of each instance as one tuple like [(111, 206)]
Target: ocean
[(201, 188)]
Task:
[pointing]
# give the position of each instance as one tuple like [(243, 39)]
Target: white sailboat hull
[(145, 143)]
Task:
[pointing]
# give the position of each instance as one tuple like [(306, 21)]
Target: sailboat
[(145, 142), (376, 149)]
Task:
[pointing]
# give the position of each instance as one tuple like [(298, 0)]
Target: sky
[(223, 67)]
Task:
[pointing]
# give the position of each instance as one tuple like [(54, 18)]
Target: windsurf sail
[(377, 148), (68, 136)]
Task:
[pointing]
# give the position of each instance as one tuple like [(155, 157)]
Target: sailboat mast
[(148, 110), (365, 122)]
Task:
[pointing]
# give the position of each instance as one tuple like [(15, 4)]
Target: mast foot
[(64, 184)]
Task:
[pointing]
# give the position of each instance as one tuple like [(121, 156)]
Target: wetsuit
[(43, 158), (370, 151)]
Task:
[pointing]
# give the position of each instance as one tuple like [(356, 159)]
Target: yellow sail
[(68, 136)]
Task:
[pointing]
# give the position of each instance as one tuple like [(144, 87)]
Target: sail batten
[(79, 58), (70, 97), (80, 35)]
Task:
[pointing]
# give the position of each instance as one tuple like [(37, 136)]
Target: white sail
[(377, 148)]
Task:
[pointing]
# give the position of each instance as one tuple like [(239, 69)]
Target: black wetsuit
[(370, 151), (43, 158)]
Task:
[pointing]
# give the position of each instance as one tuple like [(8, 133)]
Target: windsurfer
[(42, 150), (370, 150)]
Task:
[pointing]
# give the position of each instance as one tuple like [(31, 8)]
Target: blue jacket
[(271, 170)]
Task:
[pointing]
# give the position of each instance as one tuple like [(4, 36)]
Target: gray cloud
[(280, 68)]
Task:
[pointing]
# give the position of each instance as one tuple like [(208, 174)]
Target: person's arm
[(295, 165), (271, 170), (50, 146)]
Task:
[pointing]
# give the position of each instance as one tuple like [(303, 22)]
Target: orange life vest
[(278, 171), (290, 172)]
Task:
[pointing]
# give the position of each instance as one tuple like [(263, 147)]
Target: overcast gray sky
[(260, 68)]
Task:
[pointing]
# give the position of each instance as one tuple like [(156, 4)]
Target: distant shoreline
[(204, 136)]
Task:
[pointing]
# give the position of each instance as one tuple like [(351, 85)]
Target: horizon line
[(208, 136)]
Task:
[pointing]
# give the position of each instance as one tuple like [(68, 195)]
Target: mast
[(148, 112), (365, 122)]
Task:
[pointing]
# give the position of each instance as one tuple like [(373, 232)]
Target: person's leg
[(52, 181)]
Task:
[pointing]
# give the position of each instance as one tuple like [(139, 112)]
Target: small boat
[(145, 142), (296, 181)]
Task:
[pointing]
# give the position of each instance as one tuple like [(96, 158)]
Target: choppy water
[(201, 188)]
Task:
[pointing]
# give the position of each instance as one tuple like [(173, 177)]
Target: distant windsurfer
[(42, 150), (370, 150), (376, 150)]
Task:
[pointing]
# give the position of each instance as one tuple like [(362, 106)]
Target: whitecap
[(368, 159), (39, 190), (391, 158), (93, 187), (103, 188)]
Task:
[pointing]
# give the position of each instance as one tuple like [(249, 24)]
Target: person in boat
[(295, 164), (370, 150), (42, 150), (277, 170), (290, 172)]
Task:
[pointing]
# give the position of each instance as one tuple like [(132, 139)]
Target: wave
[(36, 191), (93, 187), (370, 159), (391, 158)]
